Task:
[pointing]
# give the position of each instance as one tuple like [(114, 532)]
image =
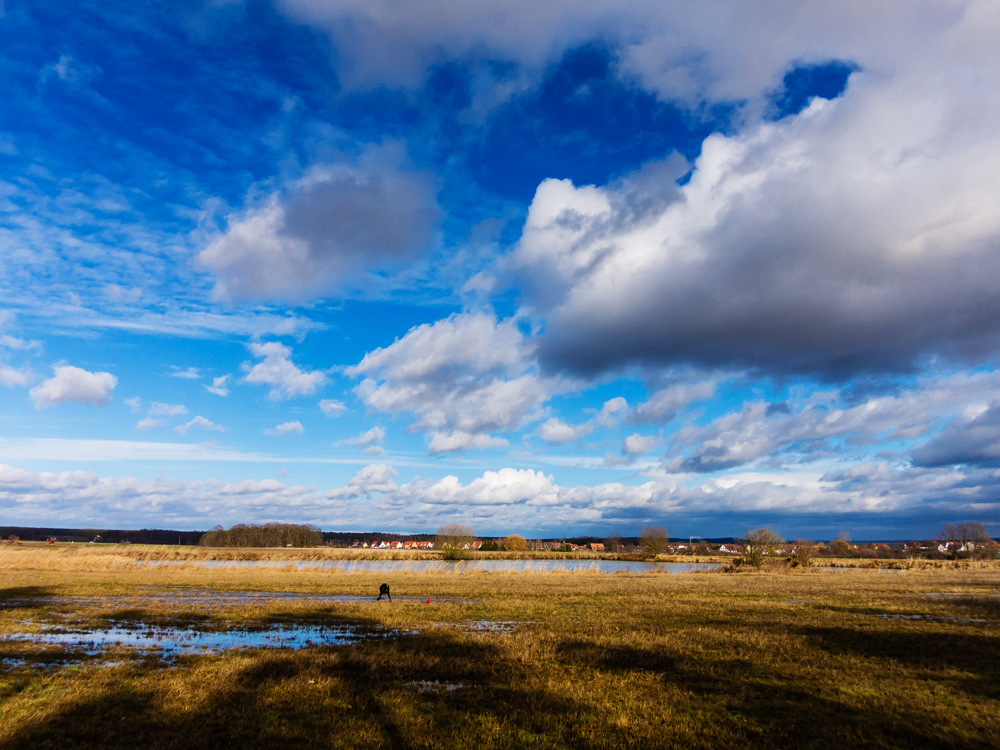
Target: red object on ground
[(428, 601)]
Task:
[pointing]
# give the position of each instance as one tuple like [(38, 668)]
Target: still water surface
[(168, 642), (463, 566)]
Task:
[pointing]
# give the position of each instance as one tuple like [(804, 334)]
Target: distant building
[(597, 547)]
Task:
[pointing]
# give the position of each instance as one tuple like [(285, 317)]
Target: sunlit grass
[(766, 659)]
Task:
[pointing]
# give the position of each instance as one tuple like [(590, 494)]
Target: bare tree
[(614, 543), (654, 539), (758, 545), (963, 537), (456, 540), (804, 552)]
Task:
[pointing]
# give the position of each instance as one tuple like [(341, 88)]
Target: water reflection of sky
[(168, 642), (460, 566)]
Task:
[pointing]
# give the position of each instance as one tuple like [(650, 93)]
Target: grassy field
[(776, 659)]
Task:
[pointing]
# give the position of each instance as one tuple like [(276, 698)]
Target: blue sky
[(549, 269)]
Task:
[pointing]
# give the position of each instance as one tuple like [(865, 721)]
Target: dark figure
[(383, 590)]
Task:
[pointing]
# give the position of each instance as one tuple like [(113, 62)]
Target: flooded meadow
[(106, 650)]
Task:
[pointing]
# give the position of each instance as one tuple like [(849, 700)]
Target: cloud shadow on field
[(976, 655), (770, 706), (439, 688), (361, 695), (25, 597)]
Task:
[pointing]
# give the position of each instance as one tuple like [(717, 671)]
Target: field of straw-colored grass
[(776, 658)]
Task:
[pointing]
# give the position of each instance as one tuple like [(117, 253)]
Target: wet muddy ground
[(164, 623)]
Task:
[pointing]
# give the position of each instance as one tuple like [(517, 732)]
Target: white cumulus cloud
[(664, 404), (463, 377), (826, 242), (190, 373), (331, 407), (74, 384), (636, 444), (200, 423), (286, 428), (278, 371), (335, 223), (15, 343), (455, 440), (374, 435), (557, 432), (157, 409), (218, 386), (10, 377), (505, 500)]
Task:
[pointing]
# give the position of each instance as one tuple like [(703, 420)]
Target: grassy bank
[(773, 659)]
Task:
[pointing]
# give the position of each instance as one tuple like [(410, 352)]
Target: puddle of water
[(463, 566), (491, 626), (170, 642), (932, 618), (426, 687), (486, 626)]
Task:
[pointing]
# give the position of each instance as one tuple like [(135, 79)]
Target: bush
[(840, 548), (514, 543), (803, 553), (455, 539)]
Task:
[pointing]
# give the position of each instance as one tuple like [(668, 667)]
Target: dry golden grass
[(763, 659)]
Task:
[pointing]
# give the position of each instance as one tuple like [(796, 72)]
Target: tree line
[(263, 535)]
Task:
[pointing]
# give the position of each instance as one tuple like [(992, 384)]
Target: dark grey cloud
[(973, 441), (849, 239), (778, 407), (721, 50), (335, 224)]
